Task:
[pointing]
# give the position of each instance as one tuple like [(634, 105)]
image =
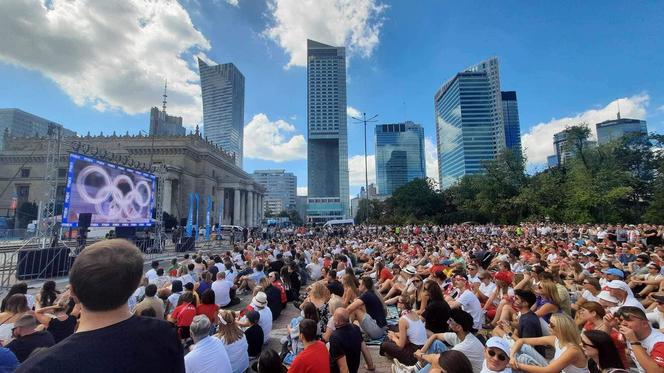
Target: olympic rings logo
[(118, 198)]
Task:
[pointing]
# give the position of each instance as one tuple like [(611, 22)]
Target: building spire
[(163, 107), (618, 109)]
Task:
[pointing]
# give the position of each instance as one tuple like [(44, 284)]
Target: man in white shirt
[(209, 353), (222, 290), (152, 273), (496, 356), (467, 301)]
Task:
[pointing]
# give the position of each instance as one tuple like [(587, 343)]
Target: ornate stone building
[(192, 163)]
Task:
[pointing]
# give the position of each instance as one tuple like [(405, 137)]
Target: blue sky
[(99, 67)]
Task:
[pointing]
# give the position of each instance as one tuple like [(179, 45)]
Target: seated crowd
[(461, 298)]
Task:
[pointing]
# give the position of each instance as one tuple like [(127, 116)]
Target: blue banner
[(221, 213), (190, 216), (198, 207), (207, 219)]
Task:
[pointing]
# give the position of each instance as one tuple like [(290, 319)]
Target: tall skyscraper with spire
[(162, 124), (327, 137), (222, 87)]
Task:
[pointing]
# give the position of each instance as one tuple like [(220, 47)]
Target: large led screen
[(115, 195)]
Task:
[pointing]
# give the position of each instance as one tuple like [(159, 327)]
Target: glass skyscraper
[(162, 124), (511, 120), (614, 129), (19, 123), (281, 189), (327, 138), (222, 87), (399, 155), (469, 121)]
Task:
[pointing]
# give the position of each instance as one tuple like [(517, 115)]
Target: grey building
[(281, 189), (162, 124), (399, 155), (564, 151), (222, 87), (19, 123), (327, 137), (511, 121), (301, 207), (469, 121), (614, 129)]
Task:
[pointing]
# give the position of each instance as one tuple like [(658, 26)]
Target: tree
[(295, 218)]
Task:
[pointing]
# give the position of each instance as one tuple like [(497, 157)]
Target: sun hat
[(409, 270), (606, 296), (259, 300), (620, 285)]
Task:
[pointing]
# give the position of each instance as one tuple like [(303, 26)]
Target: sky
[(98, 66)]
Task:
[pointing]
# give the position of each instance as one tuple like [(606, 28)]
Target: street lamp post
[(364, 120)]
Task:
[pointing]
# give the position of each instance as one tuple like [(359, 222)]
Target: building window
[(62, 172), (22, 192), (25, 172)]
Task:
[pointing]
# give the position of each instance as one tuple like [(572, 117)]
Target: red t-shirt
[(280, 287), (184, 314), (314, 359), (385, 274), (209, 310)]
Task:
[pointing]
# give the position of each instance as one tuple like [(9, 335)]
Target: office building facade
[(162, 124), (327, 137), (222, 87), (399, 155), (281, 189), (511, 121), (469, 121), (612, 130), (18, 123)]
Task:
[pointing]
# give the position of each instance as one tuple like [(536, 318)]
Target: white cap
[(620, 285), (500, 343), (606, 296)]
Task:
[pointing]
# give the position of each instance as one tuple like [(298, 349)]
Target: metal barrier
[(16, 234), (27, 260)]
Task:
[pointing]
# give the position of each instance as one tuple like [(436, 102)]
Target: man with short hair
[(151, 274), (314, 358), (109, 338), (209, 353), (27, 338), (645, 344), (151, 301), (345, 344), (222, 290)]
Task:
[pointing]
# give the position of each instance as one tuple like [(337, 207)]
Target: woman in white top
[(410, 337), (234, 340), (15, 307), (565, 338)]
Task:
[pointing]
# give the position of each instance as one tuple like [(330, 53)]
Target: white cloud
[(302, 191), (233, 2), (267, 140), (353, 23), (352, 112), (356, 169), (431, 158), (538, 142), (106, 54), (661, 108)]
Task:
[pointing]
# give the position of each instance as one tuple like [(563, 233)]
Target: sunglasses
[(498, 355)]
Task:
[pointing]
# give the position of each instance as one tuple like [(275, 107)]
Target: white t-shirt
[(151, 275), (208, 355), (486, 369), (222, 288), (265, 322), (487, 290), (471, 304), (655, 337), (470, 346), (656, 317), (588, 296), (238, 354), (314, 270)]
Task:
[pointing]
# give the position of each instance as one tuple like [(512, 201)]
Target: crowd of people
[(462, 298)]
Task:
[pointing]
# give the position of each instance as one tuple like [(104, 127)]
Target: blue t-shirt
[(8, 361)]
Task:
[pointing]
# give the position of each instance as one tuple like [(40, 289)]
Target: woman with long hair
[(599, 347), (350, 290), (410, 336), (19, 288), (450, 361), (565, 339), (269, 362), (436, 311), (320, 295), (16, 305), (184, 314), (590, 316), (47, 296), (548, 300), (234, 340), (174, 299)]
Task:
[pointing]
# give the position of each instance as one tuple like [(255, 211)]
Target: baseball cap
[(500, 343), (614, 272)]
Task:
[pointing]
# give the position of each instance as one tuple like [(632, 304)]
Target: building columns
[(250, 209), (166, 196), (236, 207)]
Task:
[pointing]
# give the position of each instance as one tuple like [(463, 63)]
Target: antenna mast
[(163, 107)]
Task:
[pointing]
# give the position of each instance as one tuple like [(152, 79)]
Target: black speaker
[(84, 219), (183, 222), (125, 232)]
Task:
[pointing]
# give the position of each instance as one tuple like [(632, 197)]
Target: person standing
[(315, 358), (102, 278)]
